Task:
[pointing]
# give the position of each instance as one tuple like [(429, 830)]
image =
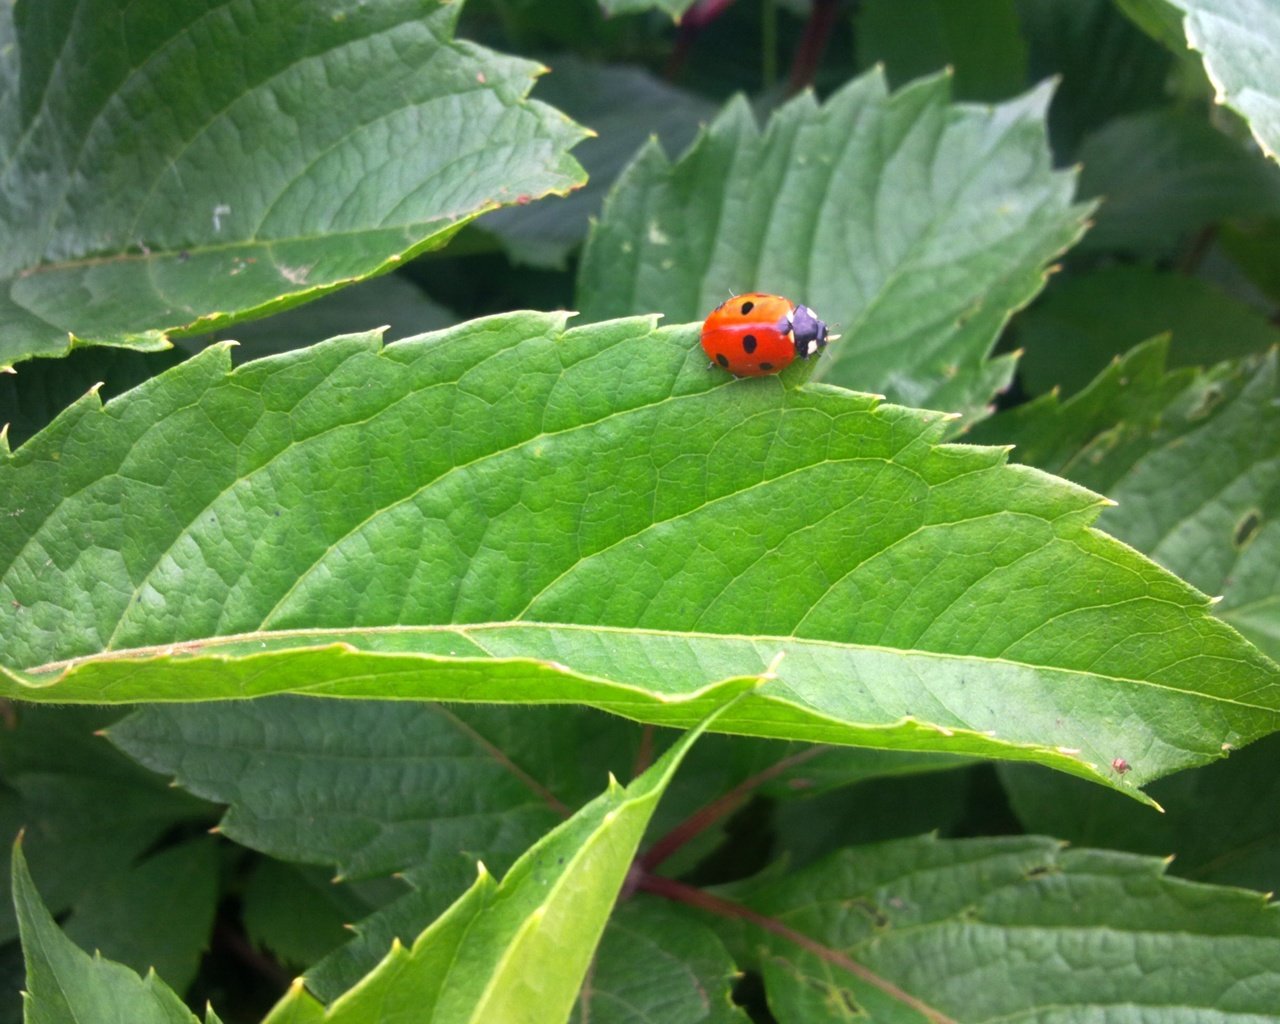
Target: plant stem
[(769, 42), (679, 892), (813, 44), (721, 807)]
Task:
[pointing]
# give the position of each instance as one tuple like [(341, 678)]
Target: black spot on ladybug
[(766, 367), (747, 307), (722, 360), (749, 343)]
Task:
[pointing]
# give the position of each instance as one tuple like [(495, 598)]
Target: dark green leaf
[(658, 963), (505, 947), (298, 914), (390, 301), (88, 812), (512, 475), (980, 40), (1107, 66), (171, 168), (625, 106), (1163, 174), (1085, 320), (158, 915), (65, 984), (1018, 928), (1240, 43), (913, 225), (1217, 824), (402, 784)]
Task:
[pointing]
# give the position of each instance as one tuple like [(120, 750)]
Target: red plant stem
[(708, 814), (644, 752), (813, 44), (679, 892), (704, 12)]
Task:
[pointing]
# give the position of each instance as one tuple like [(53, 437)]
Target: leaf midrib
[(208, 648)]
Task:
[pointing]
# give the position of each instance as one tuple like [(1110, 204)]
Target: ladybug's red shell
[(755, 334)]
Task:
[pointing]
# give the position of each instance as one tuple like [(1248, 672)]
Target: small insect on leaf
[(756, 334)]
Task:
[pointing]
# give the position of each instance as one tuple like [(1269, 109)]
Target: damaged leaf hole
[(1247, 528)]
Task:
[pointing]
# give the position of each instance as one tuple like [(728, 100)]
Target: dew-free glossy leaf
[(912, 224), (509, 511), (170, 168), (1013, 929)]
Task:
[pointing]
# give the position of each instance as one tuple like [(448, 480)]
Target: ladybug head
[(809, 332)]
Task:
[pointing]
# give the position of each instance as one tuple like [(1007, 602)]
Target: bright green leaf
[(285, 526), (171, 168), (1240, 43), (65, 984), (527, 941), (658, 962), (1011, 929), (913, 225), (1084, 320)]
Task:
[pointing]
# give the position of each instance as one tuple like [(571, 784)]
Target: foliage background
[(1143, 367)]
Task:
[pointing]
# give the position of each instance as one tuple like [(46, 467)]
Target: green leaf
[(66, 984), (89, 814), (658, 962), (158, 915), (1192, 461), (1240, 43), (675, 8), (390, 301), (914, 226), (625, 106), (912, 38), (509, 511), (1162, 174), (298, 914), (1107, 66), (1014, 928), (404, 784), (1084, 320), (526, 941), (1215, 825), (172, 168)]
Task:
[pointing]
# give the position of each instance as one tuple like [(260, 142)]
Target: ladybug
[(756, 334)]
